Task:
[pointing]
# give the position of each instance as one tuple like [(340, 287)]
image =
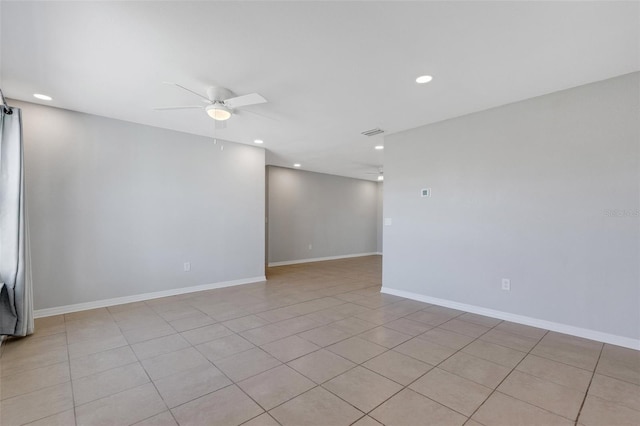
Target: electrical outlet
[(187, 266), (506, 284)]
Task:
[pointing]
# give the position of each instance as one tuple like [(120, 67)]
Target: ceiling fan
[(220, 103)]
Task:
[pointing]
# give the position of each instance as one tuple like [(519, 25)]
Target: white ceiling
[(330, 70)]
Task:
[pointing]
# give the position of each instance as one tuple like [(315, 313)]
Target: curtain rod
[(7, 108)]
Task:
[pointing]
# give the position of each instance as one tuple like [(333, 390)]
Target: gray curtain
[(16, 301)]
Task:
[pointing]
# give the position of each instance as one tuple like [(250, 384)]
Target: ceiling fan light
[(219, 112)]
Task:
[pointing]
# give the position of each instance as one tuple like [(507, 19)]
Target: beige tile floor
[(317, 344)]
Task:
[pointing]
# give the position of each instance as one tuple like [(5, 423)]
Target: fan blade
[(188, 90), (178, 107), (244, 100)]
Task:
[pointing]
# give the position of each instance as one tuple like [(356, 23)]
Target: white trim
[(599, 336), (39, 313), (320, 259)]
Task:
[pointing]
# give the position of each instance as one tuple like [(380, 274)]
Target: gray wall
[(336, 215), (524, 192), (115, 208), (380, 217)]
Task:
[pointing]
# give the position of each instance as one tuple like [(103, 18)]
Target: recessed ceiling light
[(380, 178), (42, 97), (258, 141), (378, 147), (297, 165), (424, 79)]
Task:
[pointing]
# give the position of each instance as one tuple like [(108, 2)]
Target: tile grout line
[(461, 350), (367, 413), (586, 392), (505, 378), (558, 361), (51, 386), (534, 405), (265, 413), (436, 366), (73, 396), (320, 385), (154, 386), (316, 385), (403, 387), (232, 382)]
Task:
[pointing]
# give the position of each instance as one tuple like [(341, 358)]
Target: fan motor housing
[(219, 93)]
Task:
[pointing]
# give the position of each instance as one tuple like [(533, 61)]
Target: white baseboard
[(599, 336), (39, 313), (320, 259)]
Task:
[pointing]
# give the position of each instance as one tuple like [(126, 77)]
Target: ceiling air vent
[(373, 132)]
